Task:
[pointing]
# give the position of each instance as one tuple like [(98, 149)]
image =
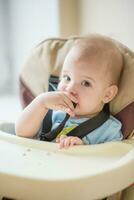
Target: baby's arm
[(27, 125), (31, 118)]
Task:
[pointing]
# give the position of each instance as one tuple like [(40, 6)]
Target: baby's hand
[(67, 141), (59, 101)]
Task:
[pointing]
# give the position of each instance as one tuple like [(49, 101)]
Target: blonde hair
[(105, 51)]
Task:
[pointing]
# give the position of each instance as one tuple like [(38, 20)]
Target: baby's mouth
[(74, 104)]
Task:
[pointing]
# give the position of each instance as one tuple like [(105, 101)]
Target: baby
[(89, 78)]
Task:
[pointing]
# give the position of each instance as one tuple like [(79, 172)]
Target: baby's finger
[(61, 141), (67, 142), (76, 141), (61, 144), (64, 108), (68, 102), (72, 98), (73, 141), (70, 112), (62, 137)]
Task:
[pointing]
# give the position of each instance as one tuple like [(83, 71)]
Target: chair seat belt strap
[(80, 131)]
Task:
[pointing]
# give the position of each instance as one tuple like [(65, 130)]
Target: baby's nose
[(72, 90), (73, 93)]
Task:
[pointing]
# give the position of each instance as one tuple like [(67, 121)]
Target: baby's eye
[(86, 83), (66, 78)]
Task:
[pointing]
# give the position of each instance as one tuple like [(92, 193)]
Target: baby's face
[(86, 82)]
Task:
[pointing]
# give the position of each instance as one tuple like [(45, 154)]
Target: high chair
[(37, 170)]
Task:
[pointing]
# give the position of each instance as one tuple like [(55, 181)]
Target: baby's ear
[(110, 93)]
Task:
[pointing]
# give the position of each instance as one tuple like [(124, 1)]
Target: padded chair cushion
[(48, 57)]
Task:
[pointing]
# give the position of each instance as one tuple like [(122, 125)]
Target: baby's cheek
[(85, 102)]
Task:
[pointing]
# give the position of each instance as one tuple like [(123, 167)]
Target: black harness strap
[(80, 131), (88, 126), (47, 122), (51, 135)]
